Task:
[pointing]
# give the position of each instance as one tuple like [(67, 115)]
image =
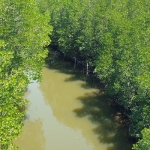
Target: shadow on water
[(109, 129), (97, 106), (63, 66)]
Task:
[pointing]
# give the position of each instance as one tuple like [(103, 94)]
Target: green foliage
[(144, 143), (24, 34)]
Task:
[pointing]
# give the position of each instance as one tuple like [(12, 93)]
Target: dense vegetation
[(110, 38), (113, 37), (24, 33)]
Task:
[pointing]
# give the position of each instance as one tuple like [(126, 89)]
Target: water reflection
[(32, 133), (56, 134)]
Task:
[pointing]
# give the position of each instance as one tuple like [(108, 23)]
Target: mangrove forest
[(107, 39)]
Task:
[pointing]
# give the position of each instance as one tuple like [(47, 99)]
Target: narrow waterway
[(65, 113)]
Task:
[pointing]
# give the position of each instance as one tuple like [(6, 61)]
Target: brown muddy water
[(65, 113)]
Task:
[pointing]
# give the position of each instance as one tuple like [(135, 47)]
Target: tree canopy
[(24, 34)]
